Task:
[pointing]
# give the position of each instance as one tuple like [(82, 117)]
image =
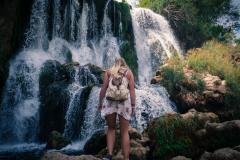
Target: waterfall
[(76, 36), (154, 43), (72, 113), (19, 109), (36, 36), (154, 39)]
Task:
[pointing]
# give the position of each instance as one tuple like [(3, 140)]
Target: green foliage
[(173, 73), (174, 135), (216, 58), (194, 21), (128, 53), (200, 85), (125, 34)]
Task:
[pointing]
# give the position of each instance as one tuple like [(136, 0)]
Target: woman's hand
[(133, 111), (100, 106)]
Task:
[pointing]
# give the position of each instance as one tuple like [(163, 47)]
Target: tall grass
[(216, 58)]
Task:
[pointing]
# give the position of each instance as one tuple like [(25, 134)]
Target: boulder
[(180, 158), (203, 91), (202, 116), (138, 151), (60, 156), (90, 74), (221, 154), (96, 143), (219, 135), (57, 141), (226, 154), (54, 80), (156, 79), (175, 134)]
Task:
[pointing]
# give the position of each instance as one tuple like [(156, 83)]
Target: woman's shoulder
[(129, 73)]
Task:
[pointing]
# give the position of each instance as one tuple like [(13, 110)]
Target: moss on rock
[(172, 135)]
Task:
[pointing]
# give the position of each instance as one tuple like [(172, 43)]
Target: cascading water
[(75, 37), (154, 43), (154, 40)]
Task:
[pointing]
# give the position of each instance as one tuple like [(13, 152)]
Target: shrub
[(216, 58), (175, 136)]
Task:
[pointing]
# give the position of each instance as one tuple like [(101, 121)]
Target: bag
[(118, 86)]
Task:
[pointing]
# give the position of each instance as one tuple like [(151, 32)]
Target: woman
[(121, 108)]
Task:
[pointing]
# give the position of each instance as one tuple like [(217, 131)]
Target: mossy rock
[(96, 143), (57, 141), (90, 74), (54, 102), (171, 135)]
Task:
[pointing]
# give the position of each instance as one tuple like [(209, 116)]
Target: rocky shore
[(193, 135)]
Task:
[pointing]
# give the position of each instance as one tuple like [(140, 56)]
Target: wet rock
[(139, 153), (57, 141), (206, 156), (134, 134), (60, 156), (156, 79), (96, 143), (173, 130), (219, 135), (180, 158), (138, 150), (237, 148), (222, 154), (91, 75), (54, 80), (54, 103), (14, 18), (226, 154)]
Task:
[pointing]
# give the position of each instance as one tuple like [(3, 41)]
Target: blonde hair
[(119, 62)]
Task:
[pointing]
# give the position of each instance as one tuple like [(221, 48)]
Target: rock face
[(219, 135), (60, 156), (139, 145), (14, 17), (54, 97), (57, 141), (221, 154), (191, 134), (202, 91), (91, 75), (180, 158), (96, 143), (55, 79)]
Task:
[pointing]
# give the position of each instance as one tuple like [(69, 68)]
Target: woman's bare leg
[(124, 137), (111, 123)]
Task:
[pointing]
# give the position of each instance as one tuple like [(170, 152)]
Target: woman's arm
[(103, 89), (132, 89)]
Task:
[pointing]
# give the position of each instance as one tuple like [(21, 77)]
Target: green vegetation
[(125, 34), (175, 136), (193, 21), (215, 58)]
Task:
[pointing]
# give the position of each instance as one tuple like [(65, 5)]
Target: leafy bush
[(174, 136), (173, 74)]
